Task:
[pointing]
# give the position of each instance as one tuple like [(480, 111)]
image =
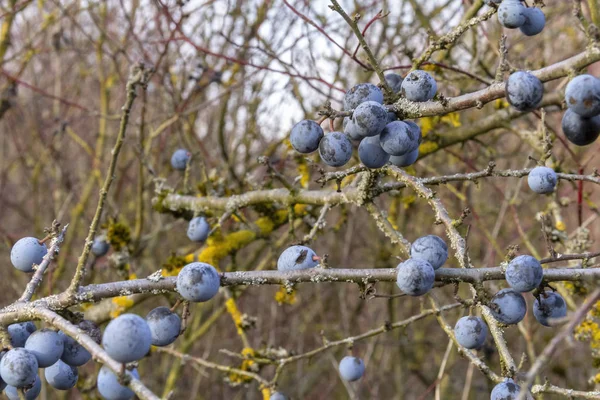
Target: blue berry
[(524, 91), (511, 14), (30, 393), (180, 159), (198, 229), (61, 376), (583, 96), (579, 130), (542, 180), (508, 306), (507, 390), (305, 136), (165, 326), (198, 282), (369, 118), (419, 86), (277, 396), (109, 386), (535, 20), (351, 368), (100, 247), (18, 368), (46, 345), (361, 93), (20, 332), (335, 149), (470, 332), (524, 273), (415, 277), (391, 117), (351, 130), (297, 257), (430, 248), (371, 154), (405, 160), (26, 252), (552, 305), (394, 81), (399, 138), (127, 338), (74, 354)]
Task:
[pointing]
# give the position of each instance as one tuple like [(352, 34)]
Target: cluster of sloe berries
[(581, 121), (512, 14)]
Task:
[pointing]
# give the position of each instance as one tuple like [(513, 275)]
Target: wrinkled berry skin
[(583, 95), (552, 305), (305, 136), (511, 14), (535, 21), (524, 91), (542, 180), (61, 376), (26, 252), (164, 325), (20, 332), (351, 368), (198, 229), (579, 130), (508, 306), (419, 86), (74, 354), (415, 277), (507, 390), (470, 332), (524, 273), (361, 93), (297, 257), (30, 394), (46, 345), (179, 159), (430, 248), (109, 386), (335, 149), (371, 154), (198, 282), (369, 118), (406, 160), (394, 81), (127, 338), (100, 247), (399, 138), (18, 368)]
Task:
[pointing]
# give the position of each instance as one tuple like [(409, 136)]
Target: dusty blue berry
[(511, 14), (100, 247), (61, 376), (507, 390), (542, 180), (297, 257), (198, 229), (127, 338), (305, 136), (552, 305), (74, 354), (31, 393), (351, 130), (406, 159), (399, 138), (470, 332), (583, 96), (430, 248), (415, 277), (165, 326), (579, 130), (524, 273), (46, 345), (180, 158), (20, 332), (335, 149), (27, 252), (394, 81), (198, 282), (351, 368), (508, 306), (419, 86), (109, 386), (18, 368), (524, 91), (369, 118), (277, 396), (361, 93), (371, 154), (535, 20)]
